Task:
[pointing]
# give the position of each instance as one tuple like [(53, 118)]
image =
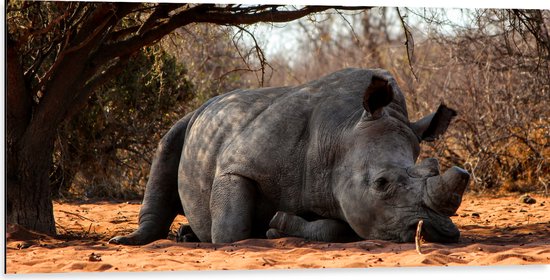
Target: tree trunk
[(28, 155), (32, 125), (29, 201)]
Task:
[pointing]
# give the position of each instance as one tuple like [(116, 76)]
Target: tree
[(58, 53)]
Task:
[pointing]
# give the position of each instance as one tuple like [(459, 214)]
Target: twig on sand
[(268, 261), (418, 237), (545, 187), (88, 232), (80, 216), (61, 227)]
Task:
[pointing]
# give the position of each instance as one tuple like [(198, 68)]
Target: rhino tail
[(161, 202)]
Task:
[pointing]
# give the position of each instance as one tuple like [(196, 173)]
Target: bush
[(495, 72), (107, 149)]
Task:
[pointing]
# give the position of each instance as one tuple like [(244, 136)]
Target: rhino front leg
[(232, 207), (326, 230)]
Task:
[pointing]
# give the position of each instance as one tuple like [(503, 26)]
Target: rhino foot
[(273, 233), (327, 230), (285, 224), (279, 221), (186, 234), (125, 240), (139, 237)]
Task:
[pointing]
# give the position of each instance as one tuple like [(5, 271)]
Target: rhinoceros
[(331, 160)]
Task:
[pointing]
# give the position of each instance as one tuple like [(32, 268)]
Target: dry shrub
[(498, 77), (494, 72), (103, 150)]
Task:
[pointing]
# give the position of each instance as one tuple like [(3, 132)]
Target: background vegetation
[(491, 65)]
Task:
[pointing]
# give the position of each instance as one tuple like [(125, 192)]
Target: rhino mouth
[(433, 231), (439, 229)]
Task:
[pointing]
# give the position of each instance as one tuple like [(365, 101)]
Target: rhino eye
[(381, 183)]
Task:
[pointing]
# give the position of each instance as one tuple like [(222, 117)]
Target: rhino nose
[(429, 167), (443, 193)]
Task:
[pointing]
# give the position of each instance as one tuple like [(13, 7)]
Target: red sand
[(501, 231)]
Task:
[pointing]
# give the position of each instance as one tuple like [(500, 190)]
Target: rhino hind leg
[(232, 208), (161, 203), (327, 230)]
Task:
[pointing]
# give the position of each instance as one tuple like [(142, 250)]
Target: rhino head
[(385, 192)]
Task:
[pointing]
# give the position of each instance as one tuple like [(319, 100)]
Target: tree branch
[(161, 12), (206, 13), (18, 101), (91, 36), (541, 37), (409, 43), (46, 29), (67, 70), (80, 99)]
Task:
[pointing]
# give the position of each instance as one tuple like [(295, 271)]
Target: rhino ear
[(377, 96), (434, 125)]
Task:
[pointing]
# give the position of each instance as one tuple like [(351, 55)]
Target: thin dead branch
[(409, 43), (77, 215), (418, 237)]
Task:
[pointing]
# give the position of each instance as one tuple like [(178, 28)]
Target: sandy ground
[(495, 231)]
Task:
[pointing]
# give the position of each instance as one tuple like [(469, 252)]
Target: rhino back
[(258, 134)]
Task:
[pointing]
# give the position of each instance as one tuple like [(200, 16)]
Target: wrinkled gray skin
[(331, 160)]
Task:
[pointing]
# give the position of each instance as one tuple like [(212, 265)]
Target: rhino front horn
[(444, 193)]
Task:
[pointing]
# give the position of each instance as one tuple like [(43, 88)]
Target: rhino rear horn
[(434, 125), (378, 95)]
